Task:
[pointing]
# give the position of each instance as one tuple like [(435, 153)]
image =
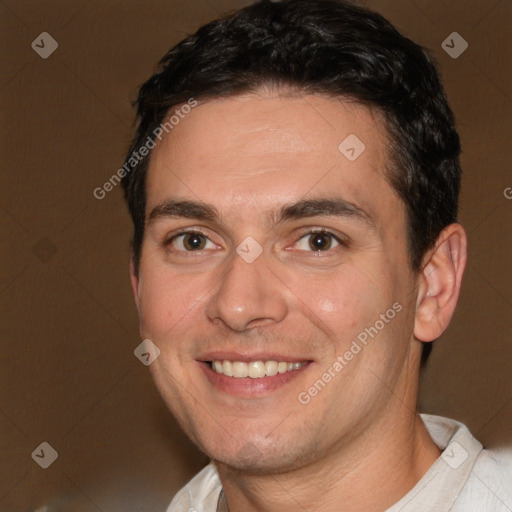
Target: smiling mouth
[(253, 369)]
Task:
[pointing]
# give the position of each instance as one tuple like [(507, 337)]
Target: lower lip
[(247, 387)]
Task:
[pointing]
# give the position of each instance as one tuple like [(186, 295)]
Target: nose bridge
[(248, 295)]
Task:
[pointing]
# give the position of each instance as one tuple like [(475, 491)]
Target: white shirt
[(465, 478)]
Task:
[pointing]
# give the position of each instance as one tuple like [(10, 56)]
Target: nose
[(249, 295)]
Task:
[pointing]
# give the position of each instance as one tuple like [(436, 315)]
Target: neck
[(370, 475)]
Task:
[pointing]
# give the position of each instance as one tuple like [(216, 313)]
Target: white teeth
[(227, 368), (240, 369), (271, 368), (254, 369)]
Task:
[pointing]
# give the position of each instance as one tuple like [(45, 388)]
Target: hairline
[(393, 161)]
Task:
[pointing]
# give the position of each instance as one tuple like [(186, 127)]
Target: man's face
[(334, 261)]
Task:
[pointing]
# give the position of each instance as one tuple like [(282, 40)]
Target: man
[(293, 187)]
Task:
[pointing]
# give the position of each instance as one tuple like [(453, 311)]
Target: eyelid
[(184, 231), (338, 237), (169, 239), (342, 239)]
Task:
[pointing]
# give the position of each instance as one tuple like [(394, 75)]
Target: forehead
[(265, 149)]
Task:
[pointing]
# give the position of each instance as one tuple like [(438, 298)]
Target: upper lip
[(245, 357)]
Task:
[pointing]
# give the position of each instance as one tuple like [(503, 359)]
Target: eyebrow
[(187, 209), (321, 207), (324, 207)]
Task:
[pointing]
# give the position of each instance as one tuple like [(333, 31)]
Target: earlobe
[(440, 283)]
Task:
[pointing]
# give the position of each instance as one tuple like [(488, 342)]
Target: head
[(264, 100)]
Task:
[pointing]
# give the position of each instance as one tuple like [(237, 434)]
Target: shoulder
[(200, 494), (489, 485), (479, 478)]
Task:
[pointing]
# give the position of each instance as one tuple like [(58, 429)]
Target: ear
[(440, 283), (134, 277)]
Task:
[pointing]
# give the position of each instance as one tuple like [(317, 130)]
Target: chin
[(271, 459)]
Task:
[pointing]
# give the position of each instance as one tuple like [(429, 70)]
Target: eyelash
[(323, 231), (311, 231), (196, 231)]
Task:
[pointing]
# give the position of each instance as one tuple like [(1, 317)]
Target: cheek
[(345, 301), (166, 300)]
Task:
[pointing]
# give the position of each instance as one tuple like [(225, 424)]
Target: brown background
[(68, 375)]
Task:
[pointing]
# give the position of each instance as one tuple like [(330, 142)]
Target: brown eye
[(191, 242), (194, 241), (320, 241)]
